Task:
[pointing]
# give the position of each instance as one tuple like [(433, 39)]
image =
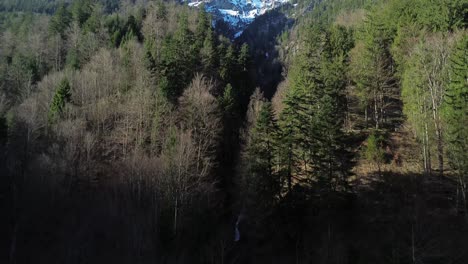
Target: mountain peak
[(237, 13)]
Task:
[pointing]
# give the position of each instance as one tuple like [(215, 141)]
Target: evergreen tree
[(61, 97), (115, 28), (227, 63), (81, 11), (93, 22), (455, 109), (231, 121), (331, 164), (262, 179), (73, 60), (208, 52), (177, 61), (243, 59), (60, 21), (203, 26), (132, 29), (297, 118), (228, 100), (374, 151), (373, 68), (243, 64)]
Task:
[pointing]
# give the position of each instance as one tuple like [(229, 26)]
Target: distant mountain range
[(237, 13)]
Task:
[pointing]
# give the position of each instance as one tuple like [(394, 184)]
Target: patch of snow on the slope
[(229, 12), (252, 14), (197, 3)]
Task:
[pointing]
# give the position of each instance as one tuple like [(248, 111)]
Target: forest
[(141, 131)]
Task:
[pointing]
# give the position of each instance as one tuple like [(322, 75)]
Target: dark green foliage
[(373, 68), (73, 60), (300, 105), (262, 178), (227, 62), (455, 108), (93, 22), (120, 31), (228, 100), (242, 71), (208, 55), (133, 28), (60, 21), (203, 27), (115, 25), (178, 59), (81, 11), (330, 158), (314, 110), (243, 60), (51, 6), (374, 151), (155, 169), (61, 98), (338, 41)]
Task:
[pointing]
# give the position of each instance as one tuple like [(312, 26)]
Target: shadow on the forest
[(384, 221), (262, 38), (396, 218)]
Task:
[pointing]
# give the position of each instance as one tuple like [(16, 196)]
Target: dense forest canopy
[(142, 132)]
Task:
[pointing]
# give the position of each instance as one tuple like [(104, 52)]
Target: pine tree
[(372, 69), (60, 21), (374, 151), (115, 28), (93, 22), (311, 122), (330, 161), (73, 58), (297, 120), (243, 59), (228, 100), (203, 26), (455, 108), (177, 61), (227, 63), (208, 52), (132, 28), (231, 121), (262, 178), (81, 11), (242, 69), (61, 97)]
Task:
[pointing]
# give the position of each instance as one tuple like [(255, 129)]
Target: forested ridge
[(142, 132)]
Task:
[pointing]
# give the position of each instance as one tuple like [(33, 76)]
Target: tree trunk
[(366, 116), (428, 165), (376, 111), (440, 152), (176, 206)]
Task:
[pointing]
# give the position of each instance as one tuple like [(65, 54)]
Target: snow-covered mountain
[(237, 13)]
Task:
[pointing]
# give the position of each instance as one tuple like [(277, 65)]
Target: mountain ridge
[(237, 13)]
